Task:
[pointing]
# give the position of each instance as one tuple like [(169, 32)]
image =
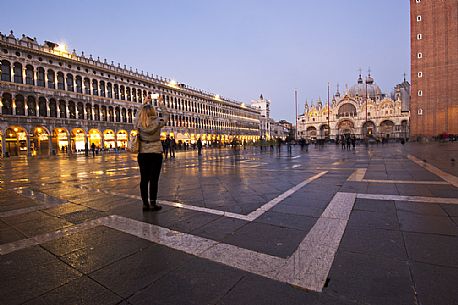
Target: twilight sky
[(235, 48)]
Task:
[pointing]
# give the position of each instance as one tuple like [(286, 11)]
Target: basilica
[(362, 111)]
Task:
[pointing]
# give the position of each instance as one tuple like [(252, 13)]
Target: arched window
[(20, 105), (70, 82), (116, 91), (129, 115), (52, 108), (87, 86), (6, 71), (102, 88), (95, 87), (104, 114), (79, 84), (139, 94), (80, 109), (17, 70), (128, 96), (29, 78), (89, 112), (96, 113), (111, 114), (134, 94), (347, 110), (51, 79), (31, 106), (7, 108), (117, 114), (60, 81), (71, 110), (41, 77), (42, 109), (123, 92), (109, 90), (63, 109), (124, 115)]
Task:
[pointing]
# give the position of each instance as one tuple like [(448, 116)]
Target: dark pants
[(150, 169)]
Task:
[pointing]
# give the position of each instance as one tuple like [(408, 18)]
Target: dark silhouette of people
[(93, 149), (173, 146), (199, 147)]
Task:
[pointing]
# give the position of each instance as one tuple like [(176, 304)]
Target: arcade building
[(57, 102)]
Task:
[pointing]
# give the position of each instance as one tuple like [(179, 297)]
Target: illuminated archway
[(60, 139), (78, 139), (40, 141), (95, 137), (16, 141), (109, 139), (121, 138)]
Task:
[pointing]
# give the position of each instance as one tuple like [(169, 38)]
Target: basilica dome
[(359, 89)]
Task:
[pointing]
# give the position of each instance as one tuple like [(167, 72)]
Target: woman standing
[(149, 125)]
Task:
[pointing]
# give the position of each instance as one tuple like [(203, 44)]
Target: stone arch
[(52, 108), (69, 82), (347, 110), (16, 140), (41, 77), (60, 81), (6, 71), (95, 87), (369, 129), (121, 139), (29, 75), (7, 104), (89, 116), (60, 140), (95, 137), (109, 139), (31, 106), (40, 140), (20, 104), (80, 110), (79, 84), (71, 110), (62, 109), (346, 127), (17, 71), (42, 107), (78, 139), (51, 79), (386, 129)]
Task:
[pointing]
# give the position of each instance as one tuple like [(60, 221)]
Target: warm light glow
[(173, 83), (217, 97), (15, 129), (61, 48)]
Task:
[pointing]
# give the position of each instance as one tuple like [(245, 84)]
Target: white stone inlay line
[(250, 217), (453, 180), (308, 267), (357, 175), (408, 198)]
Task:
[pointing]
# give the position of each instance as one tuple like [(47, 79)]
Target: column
[(23, 74)]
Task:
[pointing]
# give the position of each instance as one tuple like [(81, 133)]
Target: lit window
[(420, 74), (420, 111), (418, 18), (419, 36), (420, 93), (419, 55), (418, 1)]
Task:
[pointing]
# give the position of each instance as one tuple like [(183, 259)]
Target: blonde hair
[(146, 112)]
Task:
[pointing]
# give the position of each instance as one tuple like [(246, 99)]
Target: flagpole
[(329, 126), (295, 101)]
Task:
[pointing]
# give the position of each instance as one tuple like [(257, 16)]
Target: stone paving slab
[(398, 246)]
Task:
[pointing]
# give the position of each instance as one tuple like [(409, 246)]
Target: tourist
[(173, 146), (149, 125), (93, 149), (199, 147)]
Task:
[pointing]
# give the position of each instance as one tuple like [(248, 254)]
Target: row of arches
[(51, 79), (40, 140), (30, 106), (22, 105), (386, 129)]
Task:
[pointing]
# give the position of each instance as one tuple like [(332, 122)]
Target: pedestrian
[(353, 141), (93, 149), (173, 145), (149, 125), (342, 141), (199, 147), (348, 140), (166, 146)]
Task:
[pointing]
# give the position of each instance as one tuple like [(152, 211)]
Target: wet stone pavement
[(374, 225)]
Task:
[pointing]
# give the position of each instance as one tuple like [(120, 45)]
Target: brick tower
[(434, 67)]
